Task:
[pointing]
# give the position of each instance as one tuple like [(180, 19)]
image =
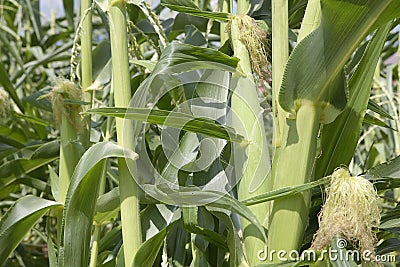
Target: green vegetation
[(199, 133)]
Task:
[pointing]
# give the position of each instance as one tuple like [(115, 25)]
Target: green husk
[(256, 41), (252, 162)]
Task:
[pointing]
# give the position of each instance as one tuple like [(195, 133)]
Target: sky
[(56, 5)]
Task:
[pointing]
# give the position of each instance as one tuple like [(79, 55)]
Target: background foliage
[(190, 227)]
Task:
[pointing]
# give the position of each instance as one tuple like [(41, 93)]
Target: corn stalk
[(130, 216), (280, 45), (294, 159), (86, 63), (252, 161)]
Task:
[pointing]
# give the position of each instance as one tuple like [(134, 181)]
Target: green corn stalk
[(397, 190), (280, 44), (226, 8), (97, 227), (251, 160), (294, 159), (68, 121), (69, 155), (86, 63), (130, 216)]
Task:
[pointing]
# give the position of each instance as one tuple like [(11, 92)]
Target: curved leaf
[(189, 7), (195, 197), (339, 138), (282, 192), (316, 64), (173, 119), (18, 220), (148, 251), (81, 202)]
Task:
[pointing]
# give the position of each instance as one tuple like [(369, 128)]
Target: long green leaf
[(369, 119), (339, 138), (19, 167), (195, 197), (196, 57), (189, 7), (315, 67), (8, 86), (34, 14), (390, 169), (173, 119), (388, 245), (148, 251), (283, 192), (81, 202), (18, 220), (394, 223), (373, 106), (69, 11)]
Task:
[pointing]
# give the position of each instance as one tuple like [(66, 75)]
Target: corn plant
[(199, 133)]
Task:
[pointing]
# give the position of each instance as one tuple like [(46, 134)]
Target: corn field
[(199, 133)]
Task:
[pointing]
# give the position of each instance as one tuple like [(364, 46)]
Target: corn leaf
[(194, 197), (81, 202), (178, 53), (388, 245), (18, 220), (173, 119), (34, 14), (283, 192), (69, 11), (18, 167), (234, 242), (148, 251), (191, 223), (375, 121), (373, 106), (8, 86), (390, 169), (315, 68), (339, 138), (189, 7), (393, 223)]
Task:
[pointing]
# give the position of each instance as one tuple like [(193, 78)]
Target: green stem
[(130, 216), (86, 64), (95, 246), (69, 156), (97, 228), (280, 53), (226, 8), (252, 162), (397, 190), (294, 159), (294, 167)]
